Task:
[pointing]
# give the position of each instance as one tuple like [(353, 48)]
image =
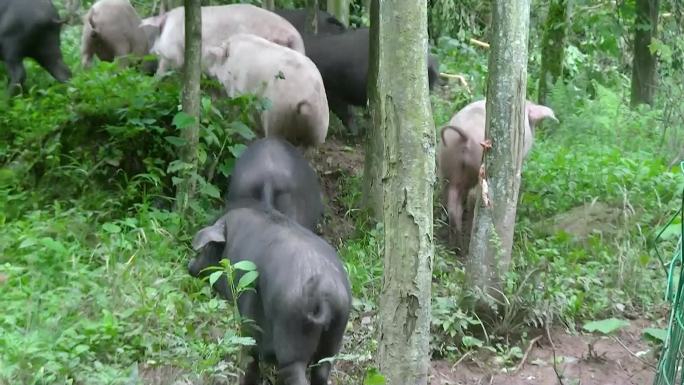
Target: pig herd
[(274, 200)]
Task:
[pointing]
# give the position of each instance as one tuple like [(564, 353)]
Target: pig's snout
[(193, 268)]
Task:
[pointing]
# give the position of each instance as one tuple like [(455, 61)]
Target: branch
[(553, 349), (527, 352), (461, 79), (479, 43), (650, 365)]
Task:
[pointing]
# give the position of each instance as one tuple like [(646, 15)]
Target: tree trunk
[(71, 11), (268, 4), (312, 17), (191, 102), (375, 146), (644, 63), (554, 41), (339, 9), (402, 117), (366, 8), (492, 236)]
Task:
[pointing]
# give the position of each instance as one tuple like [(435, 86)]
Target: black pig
[(30, 28), (342, 60), (327, 23), (302, 298), (275, 172)]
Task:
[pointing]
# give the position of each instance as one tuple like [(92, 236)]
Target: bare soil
[(609, 364), (335, 161)]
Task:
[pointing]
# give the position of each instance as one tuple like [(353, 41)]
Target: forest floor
[(580, 359)]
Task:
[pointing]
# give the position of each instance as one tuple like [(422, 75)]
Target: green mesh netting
[(670, 367)]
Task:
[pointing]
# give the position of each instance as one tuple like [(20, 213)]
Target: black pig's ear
[(213, 233)]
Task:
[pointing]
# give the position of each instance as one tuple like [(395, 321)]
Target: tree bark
[(339, 9), (191, 102), (402, 117), (268, 4), (492, 236), (312, 17), (644, 63), (554, 41)]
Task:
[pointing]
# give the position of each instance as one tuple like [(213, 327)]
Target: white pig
[(248, 63), (460, 156), (219, 22), (111, 29)]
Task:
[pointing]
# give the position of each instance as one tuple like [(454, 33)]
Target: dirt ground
[(611, 363)]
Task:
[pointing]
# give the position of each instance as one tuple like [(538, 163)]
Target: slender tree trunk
[(375, 145), (191, 101), (312, 17), (339, 9), (402, 117), (644, 64), (268, 4), (554, 41), (71, 11), (366, 8), (492, 236)]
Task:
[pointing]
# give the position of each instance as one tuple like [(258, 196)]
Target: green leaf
[(656, 334), (28, 242), (469, 342), (78, 349), (111, 228), (241, 129), (177, 165), (183, 120), (245, 266), (247, 279), (605, 326), (211, 190), (373, 377), (237, 149), (213, 277), (176, 141)]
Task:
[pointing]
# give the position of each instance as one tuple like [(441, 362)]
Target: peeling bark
[(405, 156), (492, 236)]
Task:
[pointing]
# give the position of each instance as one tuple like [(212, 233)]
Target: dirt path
[(613, 366)]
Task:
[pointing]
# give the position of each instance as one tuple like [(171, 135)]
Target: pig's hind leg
[(294, 347), (328, 346)]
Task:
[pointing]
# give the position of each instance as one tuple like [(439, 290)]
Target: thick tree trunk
[(268, 4), (644, 64), (492, 236), (554, 41), (339, 9), (401, 114), (191, 101), (312, 17)]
